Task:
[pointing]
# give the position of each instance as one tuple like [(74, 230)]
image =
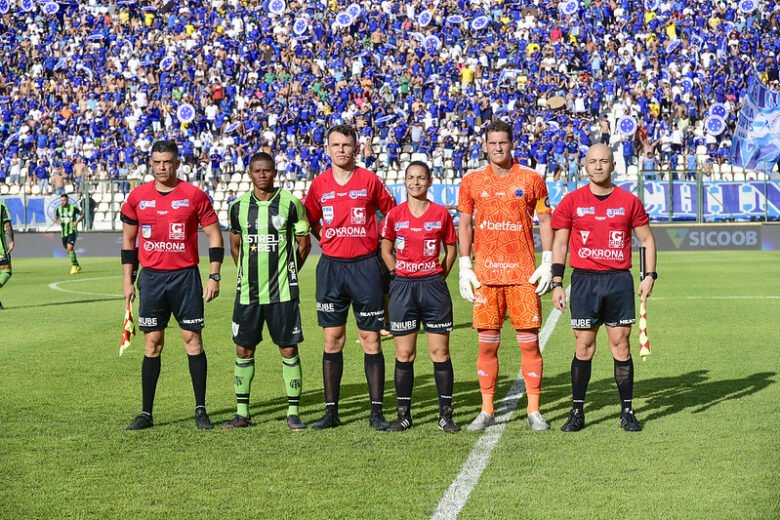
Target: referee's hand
[(211, 290)]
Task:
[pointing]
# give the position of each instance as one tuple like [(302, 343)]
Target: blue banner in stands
[(756, 141)]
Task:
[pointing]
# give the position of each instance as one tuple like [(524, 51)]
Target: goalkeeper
[(497, 203)]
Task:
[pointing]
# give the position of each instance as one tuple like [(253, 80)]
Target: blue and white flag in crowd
[(756, 141)]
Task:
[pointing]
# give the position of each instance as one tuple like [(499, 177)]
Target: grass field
[(707, 397)]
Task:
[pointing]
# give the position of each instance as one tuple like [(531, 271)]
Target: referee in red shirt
[(341, 204), (168, 212), (595, 222)]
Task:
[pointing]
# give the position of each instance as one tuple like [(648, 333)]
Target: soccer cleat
[(404, 421), (482, 421), (537, 422), (295, 423), (238, 421), (575, 422), (78, 269), (202, 420), (446, 423), (628, 421), (73, 269), (378, 421), (329, 420), (141, 422)]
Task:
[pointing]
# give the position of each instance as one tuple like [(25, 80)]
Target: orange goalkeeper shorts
[(492, 303)]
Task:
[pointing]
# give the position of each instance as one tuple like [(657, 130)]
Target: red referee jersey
[(600, 237), (168, 224), (348, 212), (418, 239)]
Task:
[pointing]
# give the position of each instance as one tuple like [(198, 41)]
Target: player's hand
[(645, 288), (467, 279), (543, 274), (129, 292), (211, 290), (10, 247), (559, 298)]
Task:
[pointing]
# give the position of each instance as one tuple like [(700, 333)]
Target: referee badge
[(146, 230)]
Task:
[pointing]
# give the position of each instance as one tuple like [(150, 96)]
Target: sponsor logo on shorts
[(447, 325), (326, 307), (147, 204), (415, 267), (346, 232), (429, 247), (368, 314), (192, 322), (581, 212), (584, 235), (403, 325), (627, 322), (429, 226), (296, 330), (164, 247), (616, 239), (234, 326), (358, 216), (354, 194), (581, 324), (147, 322), (601, 254), (401, 225), (176, 231), (181, 203), (327, 214), (500, 226), (613, 212), (146, 230), (327, 196)]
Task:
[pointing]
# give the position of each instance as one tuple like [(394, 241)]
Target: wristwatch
[(553, 285), (215, 276), (651, 274)]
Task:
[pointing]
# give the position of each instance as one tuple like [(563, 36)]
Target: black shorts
[(164, 292), (601, 298), (283, 319), (5, 260), (424, 299), (357, 281), (69, 239)]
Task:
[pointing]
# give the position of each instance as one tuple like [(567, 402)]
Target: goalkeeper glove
[(543, 274), (467, 279)]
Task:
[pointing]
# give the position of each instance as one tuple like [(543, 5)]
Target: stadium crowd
[(87, 87)]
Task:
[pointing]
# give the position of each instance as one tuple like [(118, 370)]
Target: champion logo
[(533, 374), (482, 373)]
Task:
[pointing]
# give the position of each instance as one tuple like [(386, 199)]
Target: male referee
[(168, 211)]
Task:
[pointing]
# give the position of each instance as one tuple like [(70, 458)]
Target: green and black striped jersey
[(5, 217), (67, 217), (268, 260)]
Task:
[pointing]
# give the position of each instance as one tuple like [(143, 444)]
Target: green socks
[(244, 373), (293, 381), (72, 256), (4, 276)]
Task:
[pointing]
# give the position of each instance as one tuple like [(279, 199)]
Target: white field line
[(670, 298), (458, 493), (56, 286)]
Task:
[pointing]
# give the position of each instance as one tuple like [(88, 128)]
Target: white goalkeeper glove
[(543, 274), (467, 279)]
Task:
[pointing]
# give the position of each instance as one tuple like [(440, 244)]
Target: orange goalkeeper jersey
[(503, 209)]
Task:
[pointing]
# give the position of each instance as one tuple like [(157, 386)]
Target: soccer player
[(341, 204), (416, 230), (497, 203), (6, 246), (269, 243), (168, 211), (68, 216), (595, 223)]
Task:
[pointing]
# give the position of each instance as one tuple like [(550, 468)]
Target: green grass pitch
[(707, 397)]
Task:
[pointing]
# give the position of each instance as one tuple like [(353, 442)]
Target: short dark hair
[(166, 147), (343, 130), (421, 164), (500, 126), (261, 156), (65, 195)]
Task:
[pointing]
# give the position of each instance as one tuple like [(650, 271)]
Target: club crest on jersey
[(584, 235), (327, 196), (401, 225), (327, 214), (581, 212), (358, 193), (613, 212), (278, 222), (358, 216), (400, 243), (147, 204), (429, 247), (146, 230), (431, 225), (176, 231), (182, 203), (519, 192)]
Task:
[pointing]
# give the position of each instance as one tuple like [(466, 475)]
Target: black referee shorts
[(164, 292), (601, 298), (425, 300), (357, 281)]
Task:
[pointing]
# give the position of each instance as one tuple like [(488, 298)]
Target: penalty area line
[(56, 286), (459, 491)]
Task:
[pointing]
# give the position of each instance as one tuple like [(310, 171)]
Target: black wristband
[(557, 270), (129, 256), (553, 285), (216, 254)]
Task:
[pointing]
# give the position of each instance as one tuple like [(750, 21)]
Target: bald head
[(600, 151)]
